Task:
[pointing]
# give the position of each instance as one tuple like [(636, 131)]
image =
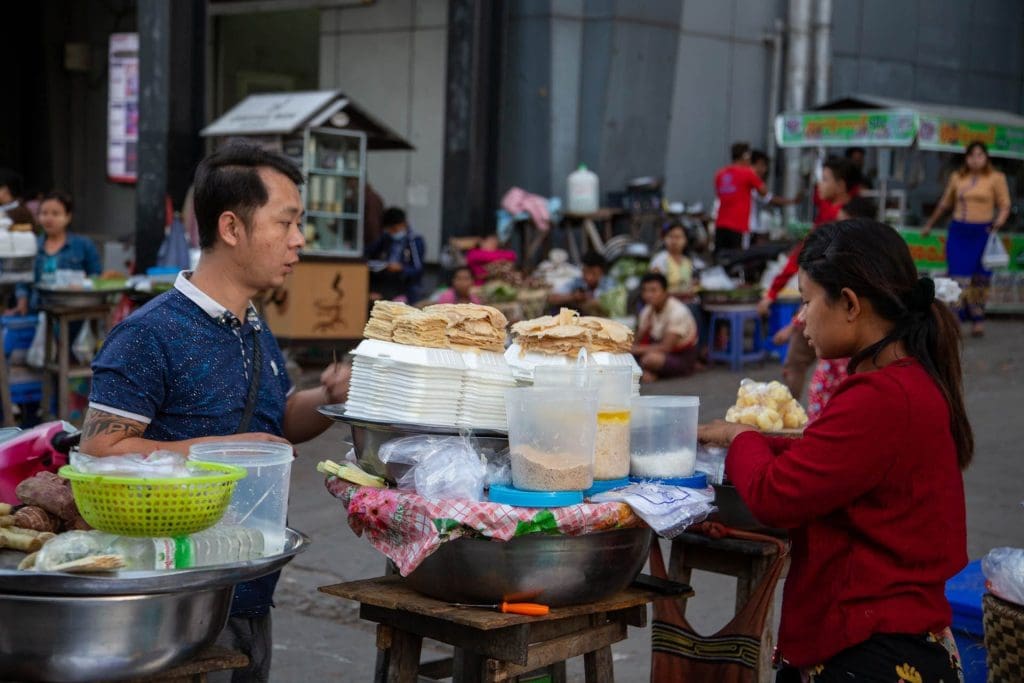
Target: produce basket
[(1004, 639), (133, 506)]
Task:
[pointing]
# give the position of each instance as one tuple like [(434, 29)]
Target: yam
[(33, 517), (50, 492)]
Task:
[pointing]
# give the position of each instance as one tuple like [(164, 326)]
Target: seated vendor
[(401, 252), (666, 334), (582, 293), (461, 289), (198, 364), (488, 252), (872, 494), (58, 249)]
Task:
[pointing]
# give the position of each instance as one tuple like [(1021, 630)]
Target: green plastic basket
[(132, 506)]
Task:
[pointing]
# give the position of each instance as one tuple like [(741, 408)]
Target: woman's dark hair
[(872, 260), (670, 226), (58, 196), (844, 170), (977, 144), (229, 180), (860, 207)]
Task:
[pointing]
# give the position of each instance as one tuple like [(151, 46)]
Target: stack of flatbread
[(420, 328), (472, 326), (381, 324), (566, 333)]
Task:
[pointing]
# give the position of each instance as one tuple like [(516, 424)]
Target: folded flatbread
[(381, 324)]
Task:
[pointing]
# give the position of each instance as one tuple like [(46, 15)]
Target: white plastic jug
[(583, 191)]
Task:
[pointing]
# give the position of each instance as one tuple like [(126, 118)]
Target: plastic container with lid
[(583, 191), (663, 436), (260, 501), (551, 434)]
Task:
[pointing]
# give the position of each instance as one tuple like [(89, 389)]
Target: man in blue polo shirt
[(197, 364)]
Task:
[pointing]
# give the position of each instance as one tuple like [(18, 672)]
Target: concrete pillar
[(798, 62)]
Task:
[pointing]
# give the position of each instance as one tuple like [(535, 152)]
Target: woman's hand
[(721, 433)]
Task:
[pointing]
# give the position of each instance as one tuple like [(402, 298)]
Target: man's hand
[(721, 433), (394, 267), (335, 382)]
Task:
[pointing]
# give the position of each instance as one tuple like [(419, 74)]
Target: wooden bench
[(490, 646)]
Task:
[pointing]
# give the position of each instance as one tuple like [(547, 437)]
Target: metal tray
[(337, 413), (72, 297), (144, 582)]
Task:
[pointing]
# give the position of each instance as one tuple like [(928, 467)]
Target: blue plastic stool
[(736, 318), (781, 314), (964, 593)]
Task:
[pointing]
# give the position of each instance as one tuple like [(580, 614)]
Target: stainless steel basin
[(78, 638), (552, 570)]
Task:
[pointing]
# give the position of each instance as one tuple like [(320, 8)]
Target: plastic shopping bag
[(36, 355), (84, 346), (995, 255)]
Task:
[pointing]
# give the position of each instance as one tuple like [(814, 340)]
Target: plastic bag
[(711, 461), (995, 255), (1004, 569), (435, 467), (160, 464), (717, 279), (666, 509), (84, 346), (499, 469), (36, 355)]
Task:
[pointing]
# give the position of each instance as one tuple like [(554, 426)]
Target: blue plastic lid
[(698, 480), (600, 486), (509, 495), (964, 593)]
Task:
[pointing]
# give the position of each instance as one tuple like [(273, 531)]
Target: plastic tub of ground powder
[(551, 433)]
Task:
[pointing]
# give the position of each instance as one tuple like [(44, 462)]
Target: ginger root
[(23, 542)]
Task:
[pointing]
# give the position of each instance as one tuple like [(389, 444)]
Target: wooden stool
[(212, 659), (58, 351), (490, 646), (748, 561)]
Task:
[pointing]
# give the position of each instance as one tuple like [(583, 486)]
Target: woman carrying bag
[(980, 201)]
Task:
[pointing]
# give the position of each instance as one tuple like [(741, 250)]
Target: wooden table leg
[(5, 393), (63, 366), (404, 664), (49, 357), (598, 666), (468, 667)]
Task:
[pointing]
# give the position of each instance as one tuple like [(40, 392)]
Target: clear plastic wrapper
[(71, 546), (766, 405), (158, 464), (669, 510), (711, 461), (1004, 569), (436, 467)]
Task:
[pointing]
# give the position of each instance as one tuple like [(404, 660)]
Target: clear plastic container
[(663, 436), (551, 434), (260, 500), (613, 386)]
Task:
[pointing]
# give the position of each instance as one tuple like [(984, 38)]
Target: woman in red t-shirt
[(872, 494)]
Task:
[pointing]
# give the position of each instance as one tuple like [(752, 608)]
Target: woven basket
[(1004, 639)]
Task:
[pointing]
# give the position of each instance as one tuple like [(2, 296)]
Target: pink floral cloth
[(518, 200), (827, 377), (407, 528)]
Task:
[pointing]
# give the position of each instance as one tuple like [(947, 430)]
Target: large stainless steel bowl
[(369, 435), (78, 638), (552, 570)]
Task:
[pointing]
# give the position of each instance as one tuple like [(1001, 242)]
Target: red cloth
[(874, 500), (478, 259), (787, 272), (733, 185)]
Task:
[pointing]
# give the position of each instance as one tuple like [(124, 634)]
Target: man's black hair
[(850, 151), (655, 277), (595, 260), (392, 216), (738, 150), (229, 180), (844, 170), (757, 155), (12, 181)]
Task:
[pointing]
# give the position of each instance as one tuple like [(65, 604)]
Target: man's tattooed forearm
[(103, 423)]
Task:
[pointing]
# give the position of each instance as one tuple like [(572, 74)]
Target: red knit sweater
[(874, 500)]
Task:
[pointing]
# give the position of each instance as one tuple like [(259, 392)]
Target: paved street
[(318, 638)]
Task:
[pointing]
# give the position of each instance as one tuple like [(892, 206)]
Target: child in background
[(672, 262), (488, 252), (460, 289)]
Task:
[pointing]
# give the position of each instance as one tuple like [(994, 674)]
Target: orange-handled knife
[(529, 609)]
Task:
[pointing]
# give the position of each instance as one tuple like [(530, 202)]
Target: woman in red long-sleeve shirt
[(872, 493)]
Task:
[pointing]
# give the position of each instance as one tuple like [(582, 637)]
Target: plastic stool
[(964, 593), (782, 313), (736, 317)]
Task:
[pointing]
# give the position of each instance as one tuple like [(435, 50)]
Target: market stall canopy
[(871, 121), (288, 113)]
